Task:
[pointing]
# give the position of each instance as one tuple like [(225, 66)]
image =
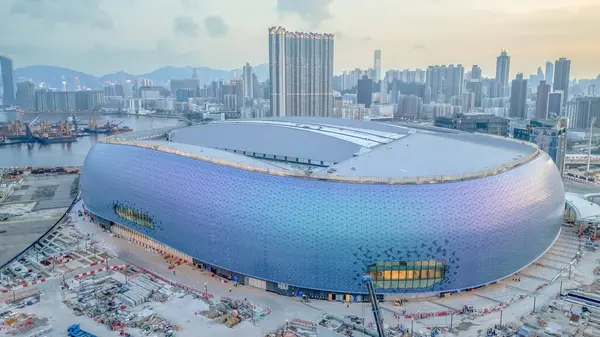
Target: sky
[(138, 36)]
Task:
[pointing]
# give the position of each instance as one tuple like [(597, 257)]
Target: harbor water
[(68, 154)]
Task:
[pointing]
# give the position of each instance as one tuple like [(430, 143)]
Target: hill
[(54, 76)]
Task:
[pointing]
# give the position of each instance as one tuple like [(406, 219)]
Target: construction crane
[(374, 305), (29, 125)]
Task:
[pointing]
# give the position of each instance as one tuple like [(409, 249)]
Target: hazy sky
[(137, 36)]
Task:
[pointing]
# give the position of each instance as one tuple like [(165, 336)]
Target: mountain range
[(54, 76)]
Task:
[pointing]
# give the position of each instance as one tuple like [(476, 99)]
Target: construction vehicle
[(75, 331), (374, 305)]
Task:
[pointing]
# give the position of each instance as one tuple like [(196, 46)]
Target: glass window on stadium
[(406, 274), (139, 218)]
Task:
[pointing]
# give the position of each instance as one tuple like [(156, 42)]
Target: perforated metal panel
[(322, 234)]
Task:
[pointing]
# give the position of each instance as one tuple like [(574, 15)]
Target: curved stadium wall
[(325, 235)]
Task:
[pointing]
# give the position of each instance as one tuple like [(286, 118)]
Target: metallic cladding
[(322, 234)]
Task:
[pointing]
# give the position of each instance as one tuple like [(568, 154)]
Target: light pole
[(206, 290), (501, 317), (587, 171), (534, 297)]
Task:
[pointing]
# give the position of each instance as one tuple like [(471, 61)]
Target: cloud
[(419, 47), (338, 35), (52, 12), (185, 26), (312, 11), (366, 39), (215, 26)]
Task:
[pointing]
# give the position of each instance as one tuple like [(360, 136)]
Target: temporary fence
[(177, 284), (99, 270)]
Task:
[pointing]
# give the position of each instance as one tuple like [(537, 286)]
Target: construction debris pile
[(110, 300), (231, 312), (23, 325), (296, 328)]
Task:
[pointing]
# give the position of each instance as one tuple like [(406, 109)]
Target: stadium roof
[(345, 148)]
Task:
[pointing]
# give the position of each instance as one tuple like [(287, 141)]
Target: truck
[(75, 331)]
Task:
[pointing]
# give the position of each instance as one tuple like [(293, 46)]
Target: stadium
[(310, 205)]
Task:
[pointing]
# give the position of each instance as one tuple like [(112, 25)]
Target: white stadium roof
[(344, 148)]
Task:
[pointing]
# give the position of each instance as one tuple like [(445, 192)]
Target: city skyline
[(102, 39)]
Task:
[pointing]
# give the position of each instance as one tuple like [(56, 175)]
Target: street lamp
[(206, 290), (501, 309)]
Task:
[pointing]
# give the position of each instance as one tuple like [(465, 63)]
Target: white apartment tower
[(502, 73), (377, 65), (248, 82), (301, 73)]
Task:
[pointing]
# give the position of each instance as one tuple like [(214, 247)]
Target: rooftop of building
[(341, 149)]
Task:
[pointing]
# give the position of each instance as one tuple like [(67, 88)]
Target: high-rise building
[(377, 65), (248, 87), (301, 73), (383, 91), (562, 72), (518, 98), (476, 87), (26, 95), (445, 82), (187, 84), (585, 109), (540, 74), (555, 103), (549, 72), (467, 101), (364, 92), (502, 73), (409, 106), (476, 72), (551, 137), (88, 100), (541, 104), (415, 89), (6, 67)]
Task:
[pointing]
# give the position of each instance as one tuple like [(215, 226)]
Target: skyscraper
[(6, 66), (476, 72), (364, 91), (562, 72), (549, 72), (301, 73), (26, 95), (541, 105), (445, 81), (476, 87), (518, 98), (540, 74), (555, 101), (377, 65), (502, 73), (248, 82)]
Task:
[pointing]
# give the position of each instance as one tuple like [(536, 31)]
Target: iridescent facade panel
[(323, 235)]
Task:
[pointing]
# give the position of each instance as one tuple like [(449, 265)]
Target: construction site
[(64, 274), (45, 132)]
